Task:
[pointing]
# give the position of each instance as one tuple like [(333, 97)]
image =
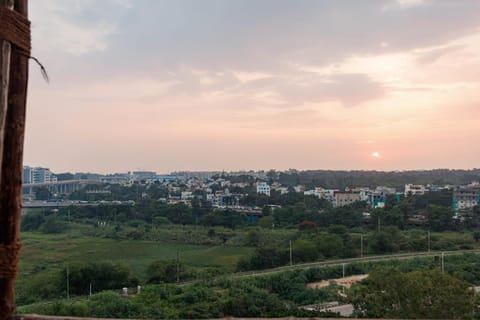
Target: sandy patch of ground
[(347, 282)]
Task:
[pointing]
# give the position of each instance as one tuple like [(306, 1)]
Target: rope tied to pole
[(15, 29), (9, 256)]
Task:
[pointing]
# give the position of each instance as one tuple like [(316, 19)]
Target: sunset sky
[(170, 85)]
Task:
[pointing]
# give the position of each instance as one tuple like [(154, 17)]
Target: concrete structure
[(186, 195), (377, 199), (143, 175), (327, 194), (57, 187), (466, 197), (345, 198), (37, 175), (263, 188), (414, 189)]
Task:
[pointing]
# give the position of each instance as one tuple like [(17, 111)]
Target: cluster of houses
[(227, 191)]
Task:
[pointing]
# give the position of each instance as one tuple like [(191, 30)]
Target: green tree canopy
[(424, 294)]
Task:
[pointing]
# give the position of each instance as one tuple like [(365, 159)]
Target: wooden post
[(11, 166), (4, 80)]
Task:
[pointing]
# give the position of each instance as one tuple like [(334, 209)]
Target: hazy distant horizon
[(178, 85), (241, 170)]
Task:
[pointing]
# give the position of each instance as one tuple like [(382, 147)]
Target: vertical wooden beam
[(11, 167), (4, 80)]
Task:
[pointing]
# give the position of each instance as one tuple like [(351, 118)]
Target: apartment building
[(263, 188), (37, 175)]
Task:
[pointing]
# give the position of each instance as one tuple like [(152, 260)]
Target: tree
[(388, 240), (102, 276), (53, 224), (32, 221), (161, 271), (307, 225), (389, 293), (330, 245), (304, 250), (266, 255), (180, 214), (111, 305), (265, 222), (439, 217), (43, 193)]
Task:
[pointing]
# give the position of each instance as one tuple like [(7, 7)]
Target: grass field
[(42, 252)]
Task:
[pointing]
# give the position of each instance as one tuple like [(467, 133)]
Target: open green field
[(42, 252)]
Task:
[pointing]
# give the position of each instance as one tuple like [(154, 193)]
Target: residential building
[(263, 188), (414, 189), (466, 197), (345, 198), (37, 175), (143, 175)]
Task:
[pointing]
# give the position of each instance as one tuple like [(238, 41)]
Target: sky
[(170, 85)]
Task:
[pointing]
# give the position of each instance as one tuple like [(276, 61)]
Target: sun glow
[(376, 154)]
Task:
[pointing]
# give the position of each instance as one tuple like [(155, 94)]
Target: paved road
[(340, 262)]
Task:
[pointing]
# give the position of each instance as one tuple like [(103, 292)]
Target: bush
[(53, 224), (102, 276), (32, 221)]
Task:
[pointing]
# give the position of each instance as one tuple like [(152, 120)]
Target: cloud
[(430, 56), (404, 4), (149, 75), (74, 27), (348, 89)]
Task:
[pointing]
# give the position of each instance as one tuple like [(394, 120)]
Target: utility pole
[(361, 246), (14, 56), (68, 283), (291, 259), (443, 262), (178, 268), (428, 240)]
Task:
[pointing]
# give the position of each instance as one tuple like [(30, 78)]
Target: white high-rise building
[(37, 175), (263, 188)]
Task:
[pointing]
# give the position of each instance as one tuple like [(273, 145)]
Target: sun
[(376, 154)]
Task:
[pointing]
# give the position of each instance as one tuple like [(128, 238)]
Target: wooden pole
[(11, 167), (5, 49)]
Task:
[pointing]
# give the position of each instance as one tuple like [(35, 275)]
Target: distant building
[(37, 175), (414, 189), (299, 188), (378, 198), (118, 178), (263, 188), (345, 198), (327, 194), (466, 197), (143, 175), (186, 195)]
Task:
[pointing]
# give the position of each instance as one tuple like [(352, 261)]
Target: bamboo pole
[(11, 166)]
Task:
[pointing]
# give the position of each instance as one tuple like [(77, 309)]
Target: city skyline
[(240, 85)]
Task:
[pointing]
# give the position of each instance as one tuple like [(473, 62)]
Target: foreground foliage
[(423, 294), (414, 284)]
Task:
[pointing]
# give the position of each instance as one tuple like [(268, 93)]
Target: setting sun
[(376, 154)]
